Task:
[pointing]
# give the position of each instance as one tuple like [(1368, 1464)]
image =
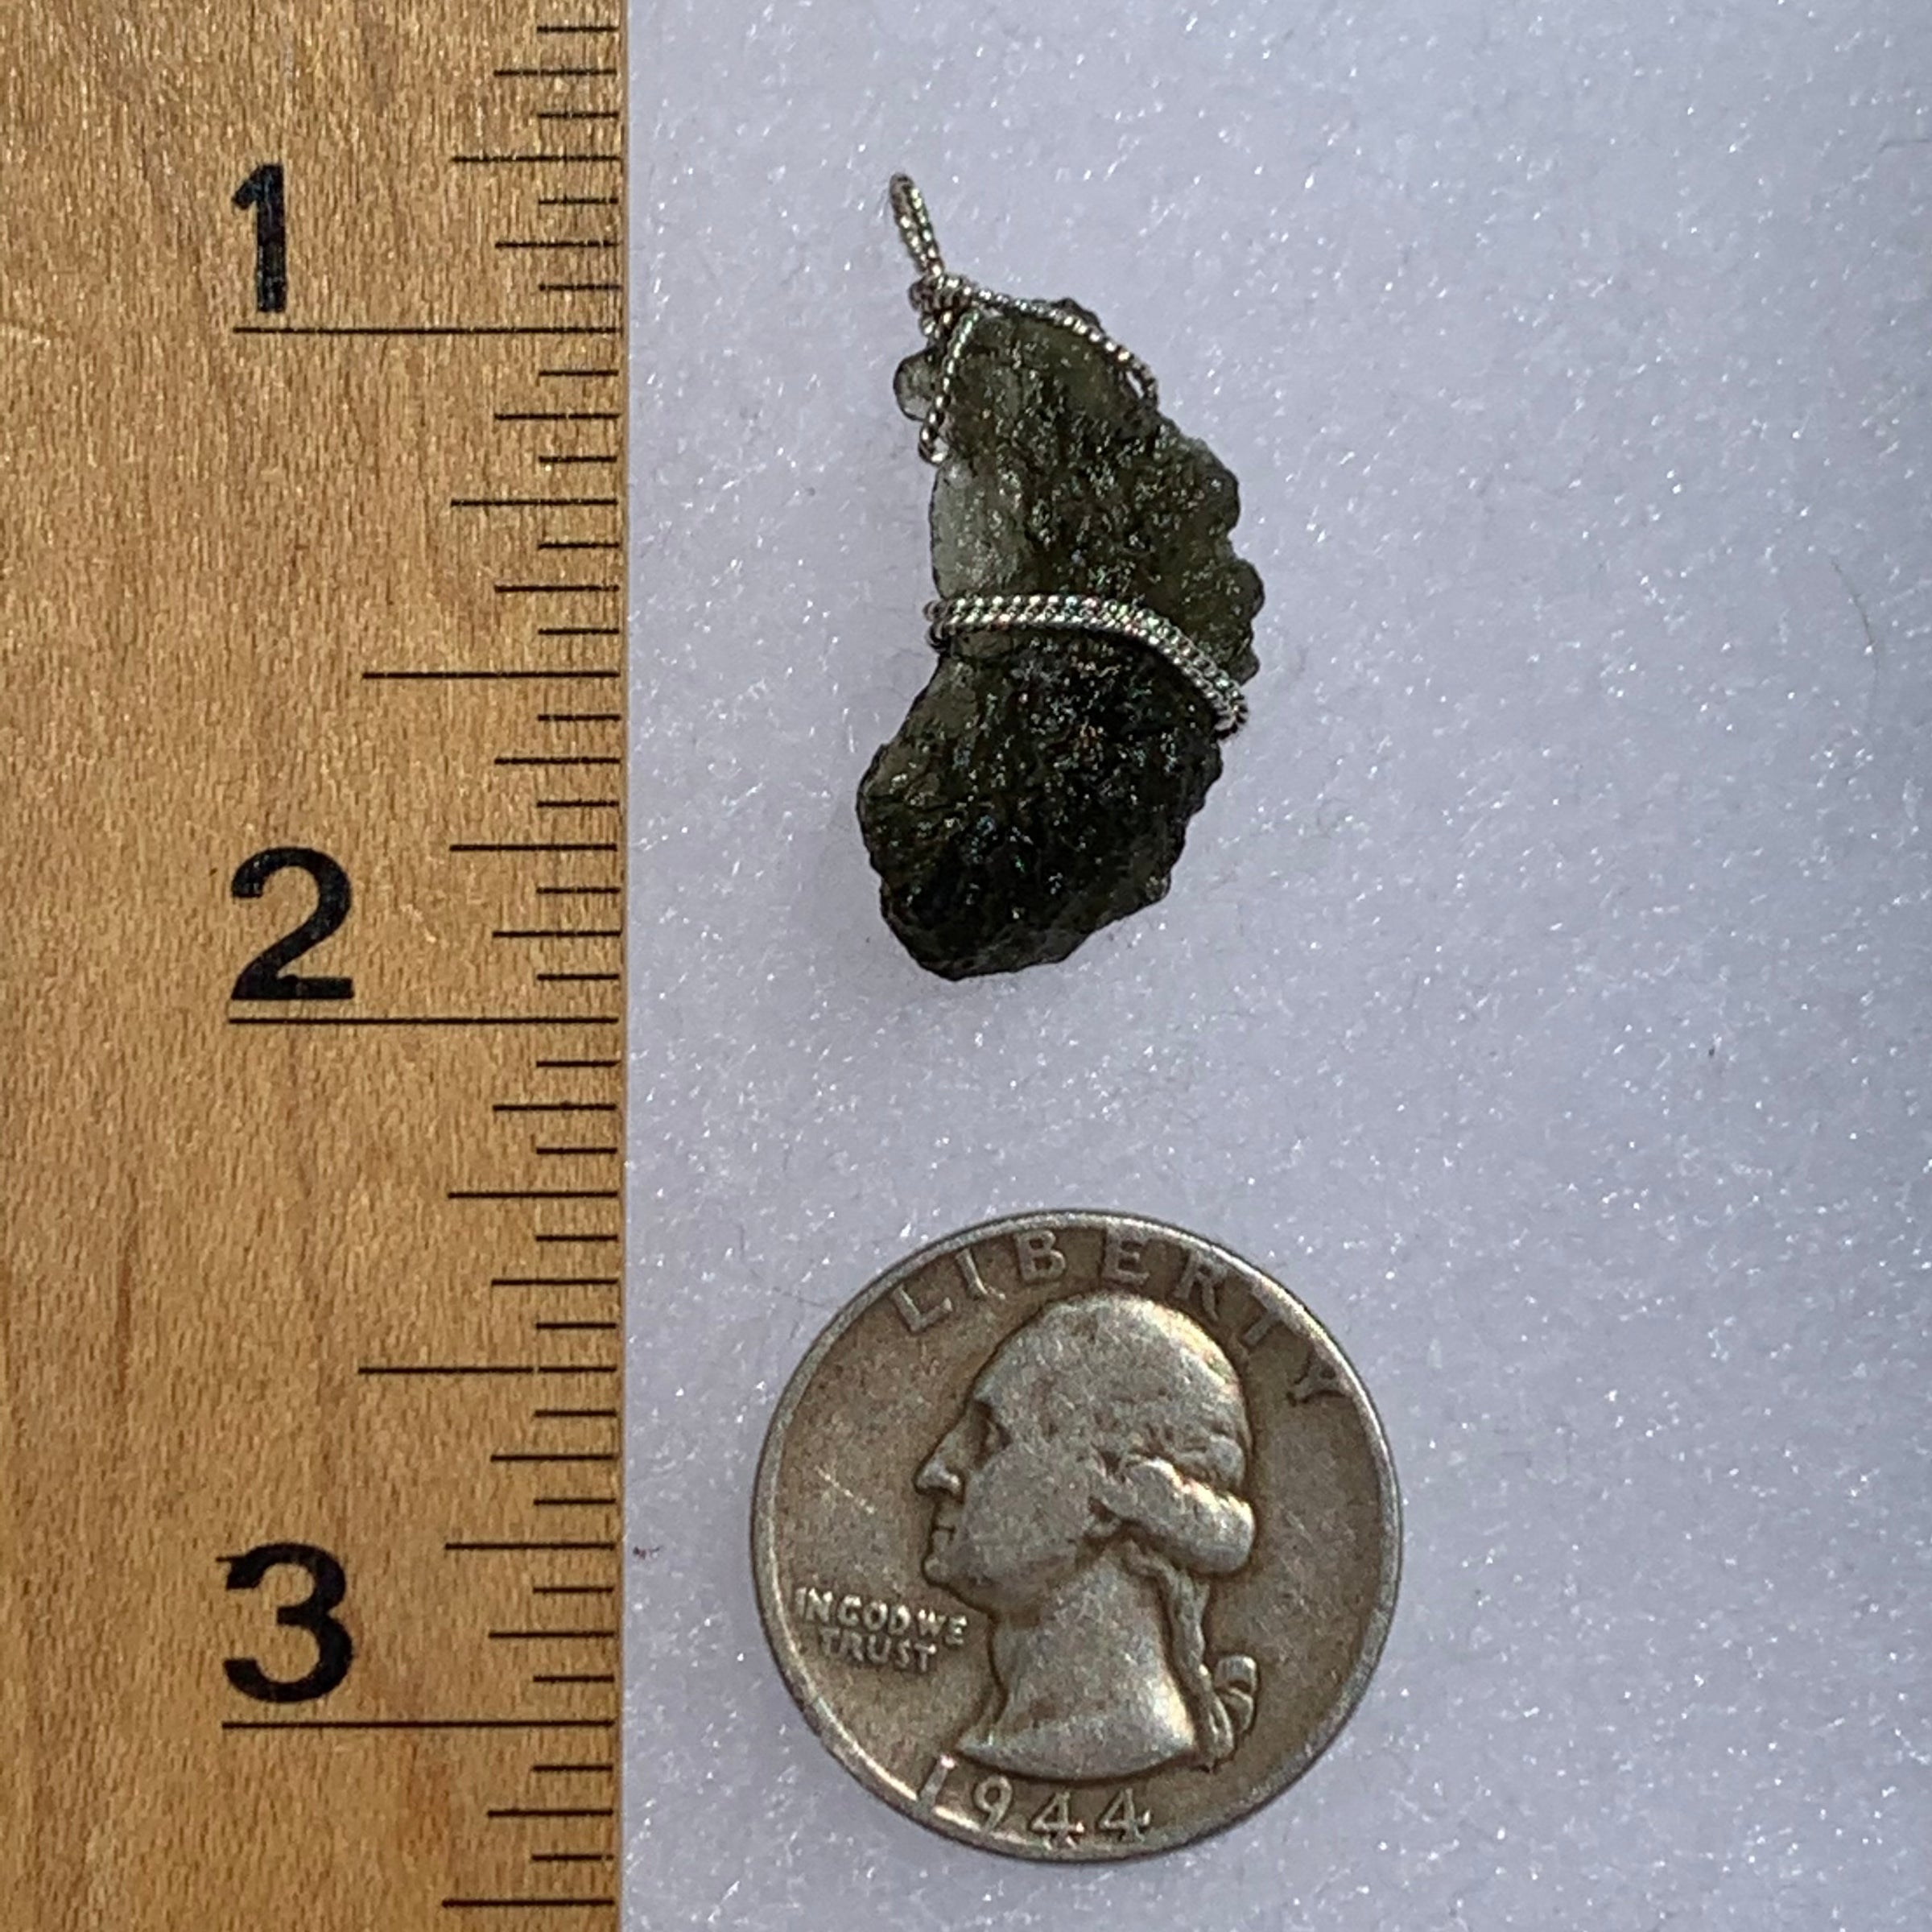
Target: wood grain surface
[(240, 1240)]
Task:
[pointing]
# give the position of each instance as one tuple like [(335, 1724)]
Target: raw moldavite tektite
[(1041, 783)]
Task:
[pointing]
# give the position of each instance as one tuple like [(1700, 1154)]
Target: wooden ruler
[(311, 517)]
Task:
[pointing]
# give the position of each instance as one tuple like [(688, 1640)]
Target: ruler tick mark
[(449, 331), (558, 675), (545, 758), (535, 1194), (555, 1106), (531, 1903), (553, 845), (553, 1281), (559, 590), (419, 1723), (542, 158), (533, 502), (439, 1019), (446, 1368), (529, 1543), (531, 1636)]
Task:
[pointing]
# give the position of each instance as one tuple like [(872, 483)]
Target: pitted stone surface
[(1041, 784)]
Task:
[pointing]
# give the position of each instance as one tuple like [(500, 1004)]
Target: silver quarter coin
[(1075, 1536)]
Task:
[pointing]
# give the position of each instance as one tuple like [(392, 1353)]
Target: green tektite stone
[(1040, 785)]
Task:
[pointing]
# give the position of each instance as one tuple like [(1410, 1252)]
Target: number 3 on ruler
[(333, 1650)]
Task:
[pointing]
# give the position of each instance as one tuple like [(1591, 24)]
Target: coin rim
[(824, 1721)]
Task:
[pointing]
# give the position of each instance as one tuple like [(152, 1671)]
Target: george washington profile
[(1086, 1496)]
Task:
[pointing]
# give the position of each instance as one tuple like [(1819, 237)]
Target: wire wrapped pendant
[(1094, 628)]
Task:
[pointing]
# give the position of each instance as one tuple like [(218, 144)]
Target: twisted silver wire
[(948, 307), (1110, 616)]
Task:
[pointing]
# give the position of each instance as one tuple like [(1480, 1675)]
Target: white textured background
[(1545, 993)]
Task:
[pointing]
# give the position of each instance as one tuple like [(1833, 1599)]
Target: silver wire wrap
[(1109, 616), (948, 307)]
